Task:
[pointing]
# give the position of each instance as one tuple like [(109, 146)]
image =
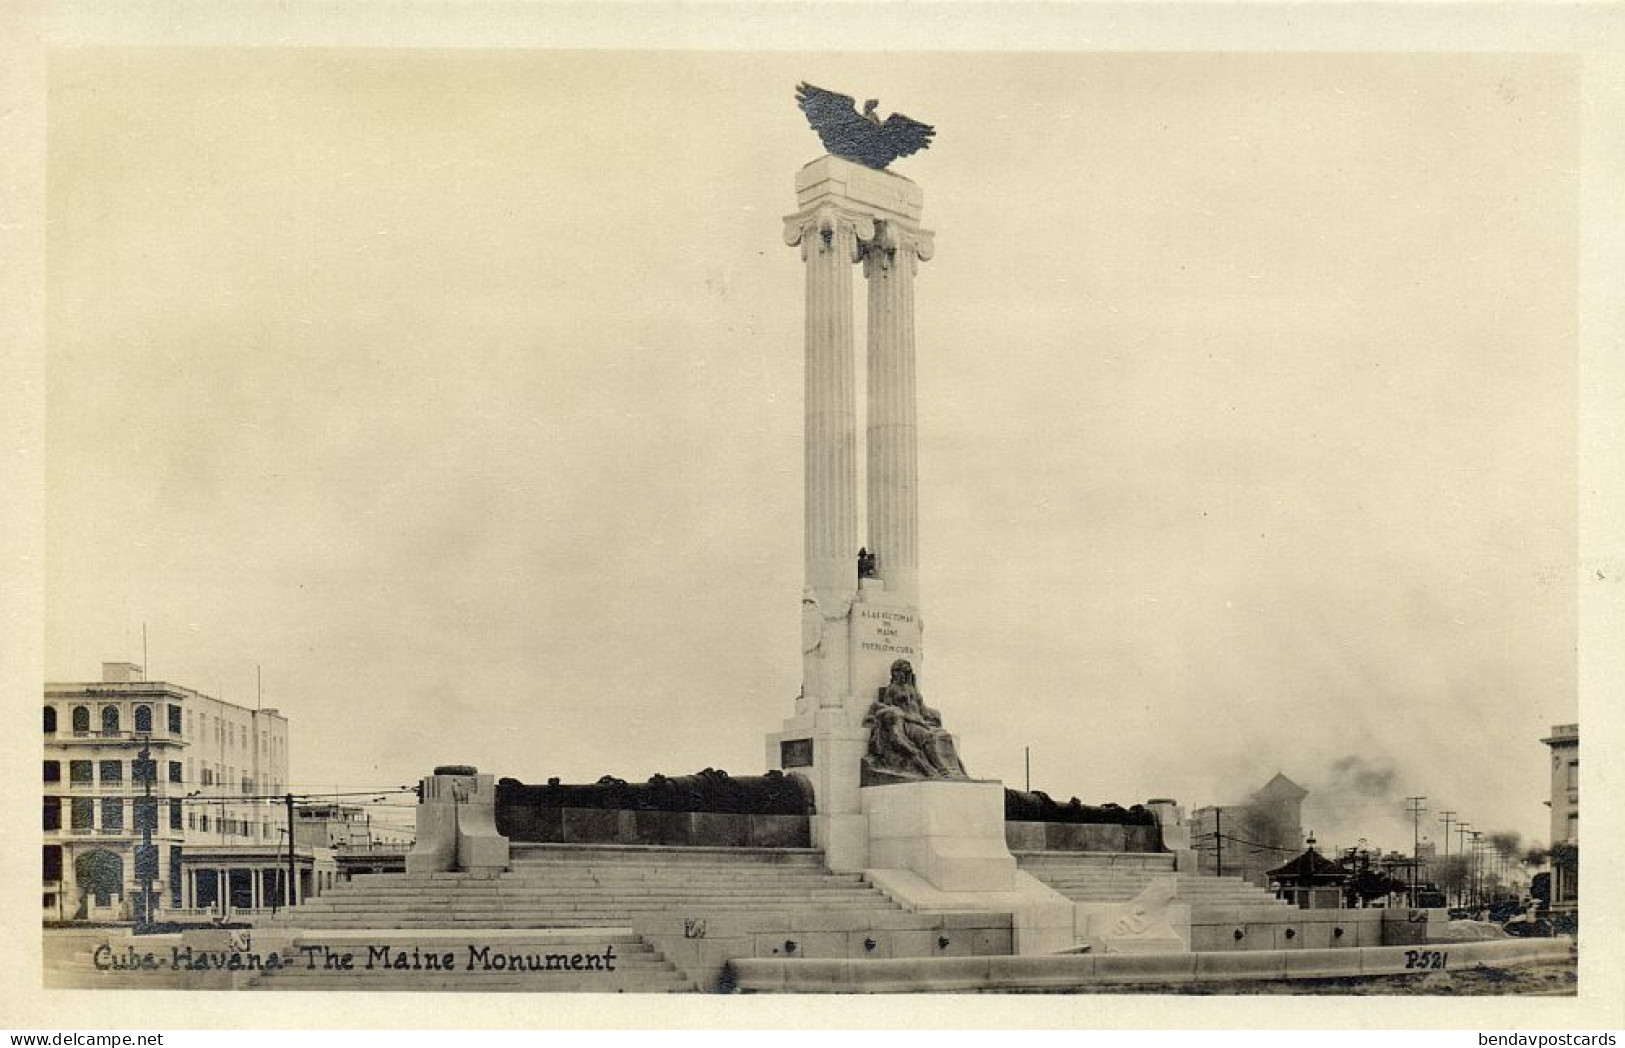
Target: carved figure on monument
[(906, 737), (862, 137), (866, 564)]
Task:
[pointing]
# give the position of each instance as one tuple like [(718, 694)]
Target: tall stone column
[(829, 238), (889, 264)]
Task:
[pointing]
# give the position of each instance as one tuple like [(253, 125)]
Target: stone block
[(844, 840), (1315, 935), (950, 833), (1142, 839), (916, 943), (1025, 836), (836, 181), (710, 829), (1239, 964), (1063, 837), (868, 945), (779, 831), (1287, 936), (1146, 967), (1100, 837), (1051, 971), (1206, 938), (590, 826), (1401, 927), (821, 945), (992, 942), (1316, 963)]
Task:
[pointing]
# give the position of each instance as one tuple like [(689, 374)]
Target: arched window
[(50, 720), (109, 719), (143, 720), (81, 719)]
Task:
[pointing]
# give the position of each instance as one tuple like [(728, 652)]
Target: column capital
[(823, 224), (892, 239)]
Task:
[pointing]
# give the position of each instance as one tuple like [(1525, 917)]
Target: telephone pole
[(1416, 808)]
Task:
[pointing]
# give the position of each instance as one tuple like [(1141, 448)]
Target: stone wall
[(1081, 837), (536, 824)]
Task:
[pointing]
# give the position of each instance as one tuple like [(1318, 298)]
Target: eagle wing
[(835, 117), (901, 136)]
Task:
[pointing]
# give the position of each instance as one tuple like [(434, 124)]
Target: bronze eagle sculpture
[(862, 137)]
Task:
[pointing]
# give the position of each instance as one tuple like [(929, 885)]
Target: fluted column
[(889, 264), (829, 239)]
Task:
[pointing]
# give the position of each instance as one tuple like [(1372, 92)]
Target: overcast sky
[(462, 392)]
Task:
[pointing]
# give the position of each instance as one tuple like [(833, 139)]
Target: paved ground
[(1547, 980)]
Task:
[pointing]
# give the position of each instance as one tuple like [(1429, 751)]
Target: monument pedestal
[(938, 844), (950, 832), (456, 824)]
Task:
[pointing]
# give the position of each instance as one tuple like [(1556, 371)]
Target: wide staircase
[(586, 886), (556, 907), (1119, 877)]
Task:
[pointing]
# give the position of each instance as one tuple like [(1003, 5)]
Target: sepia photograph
[(813, 519)]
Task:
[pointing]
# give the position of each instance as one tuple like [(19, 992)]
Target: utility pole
[(146, 854), (1475, 835), (1461, 850), (1416, 809), (1218, 840), (288, 892), (1027, 755)]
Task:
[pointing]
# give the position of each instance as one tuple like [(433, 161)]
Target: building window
[(81, 720), (191, 820), (52, 864), (81, 813), (174, 719), (174, 814), (248, 785), (1574, 827), (112, 771), (110, 720), (81, 772), (205, 822), (112, 814), (53, 813), (144, 770), (53, 771), (50, 720), (1574, 775), (146, 814), (174, 771), (143, 720), (208, 780)]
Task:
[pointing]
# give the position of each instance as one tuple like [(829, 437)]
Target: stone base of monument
[(938, 845), (1151, 922), (949, 831), (456, 824)]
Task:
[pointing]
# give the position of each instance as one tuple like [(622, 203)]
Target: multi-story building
[(210, 767), (1249, 840), (1565, 804)]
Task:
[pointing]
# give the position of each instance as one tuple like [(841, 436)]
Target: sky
[(460, 392)]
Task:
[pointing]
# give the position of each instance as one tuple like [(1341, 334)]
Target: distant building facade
[(1565, 804), (212, 761), (1249, 840)]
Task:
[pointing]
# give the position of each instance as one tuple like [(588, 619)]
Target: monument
[(892, 796)]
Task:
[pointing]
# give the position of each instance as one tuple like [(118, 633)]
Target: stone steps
[(572, 886), (1087, 878)]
